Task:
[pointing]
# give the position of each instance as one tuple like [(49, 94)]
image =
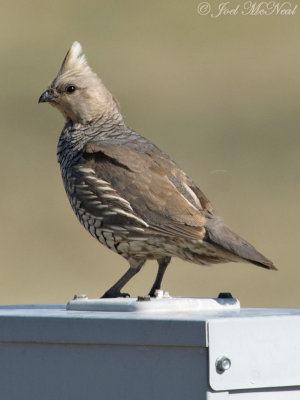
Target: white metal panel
[(263, 395), (264, 352), (217, 396), (171, 304)]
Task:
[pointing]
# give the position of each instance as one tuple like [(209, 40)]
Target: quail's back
[(125, 191)]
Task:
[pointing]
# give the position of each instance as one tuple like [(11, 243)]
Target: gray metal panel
[(53, 324), (264, 352), (50, 353), (44, 324), (78, 372)]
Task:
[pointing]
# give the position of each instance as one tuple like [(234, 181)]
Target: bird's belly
[(130, 243), (125, 242)]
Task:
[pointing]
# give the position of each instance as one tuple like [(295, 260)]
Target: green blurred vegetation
[(221, 96)]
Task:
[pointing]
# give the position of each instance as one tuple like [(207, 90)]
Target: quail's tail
[(218, 234)]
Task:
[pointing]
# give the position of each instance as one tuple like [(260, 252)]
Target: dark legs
[(115, 290), (135, 266), (162, 266)]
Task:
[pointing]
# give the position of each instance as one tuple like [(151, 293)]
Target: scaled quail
[(128, 193)]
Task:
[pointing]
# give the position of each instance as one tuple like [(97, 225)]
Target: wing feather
[(142, 180)]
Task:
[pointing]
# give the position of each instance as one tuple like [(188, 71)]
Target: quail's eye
[(71, 89)]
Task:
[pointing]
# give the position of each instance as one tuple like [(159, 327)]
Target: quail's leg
[(115, 290), (162, 266)]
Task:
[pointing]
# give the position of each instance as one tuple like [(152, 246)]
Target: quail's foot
[(110, 294)]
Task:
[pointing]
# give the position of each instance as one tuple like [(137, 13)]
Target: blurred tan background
[(221, 96)]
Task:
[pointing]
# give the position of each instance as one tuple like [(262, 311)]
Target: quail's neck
[(105, 126)]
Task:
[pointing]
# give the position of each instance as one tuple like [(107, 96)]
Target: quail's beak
[(47, 96)]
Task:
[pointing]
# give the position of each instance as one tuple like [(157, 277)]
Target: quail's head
[(77, 91)]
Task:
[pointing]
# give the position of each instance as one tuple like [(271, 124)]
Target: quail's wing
[(142, 189), (189, 190)]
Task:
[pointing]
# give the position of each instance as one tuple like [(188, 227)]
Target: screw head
[(80, 297), (143, 298), (222, 364)]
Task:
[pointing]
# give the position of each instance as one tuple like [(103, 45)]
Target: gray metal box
[(167, 349)]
